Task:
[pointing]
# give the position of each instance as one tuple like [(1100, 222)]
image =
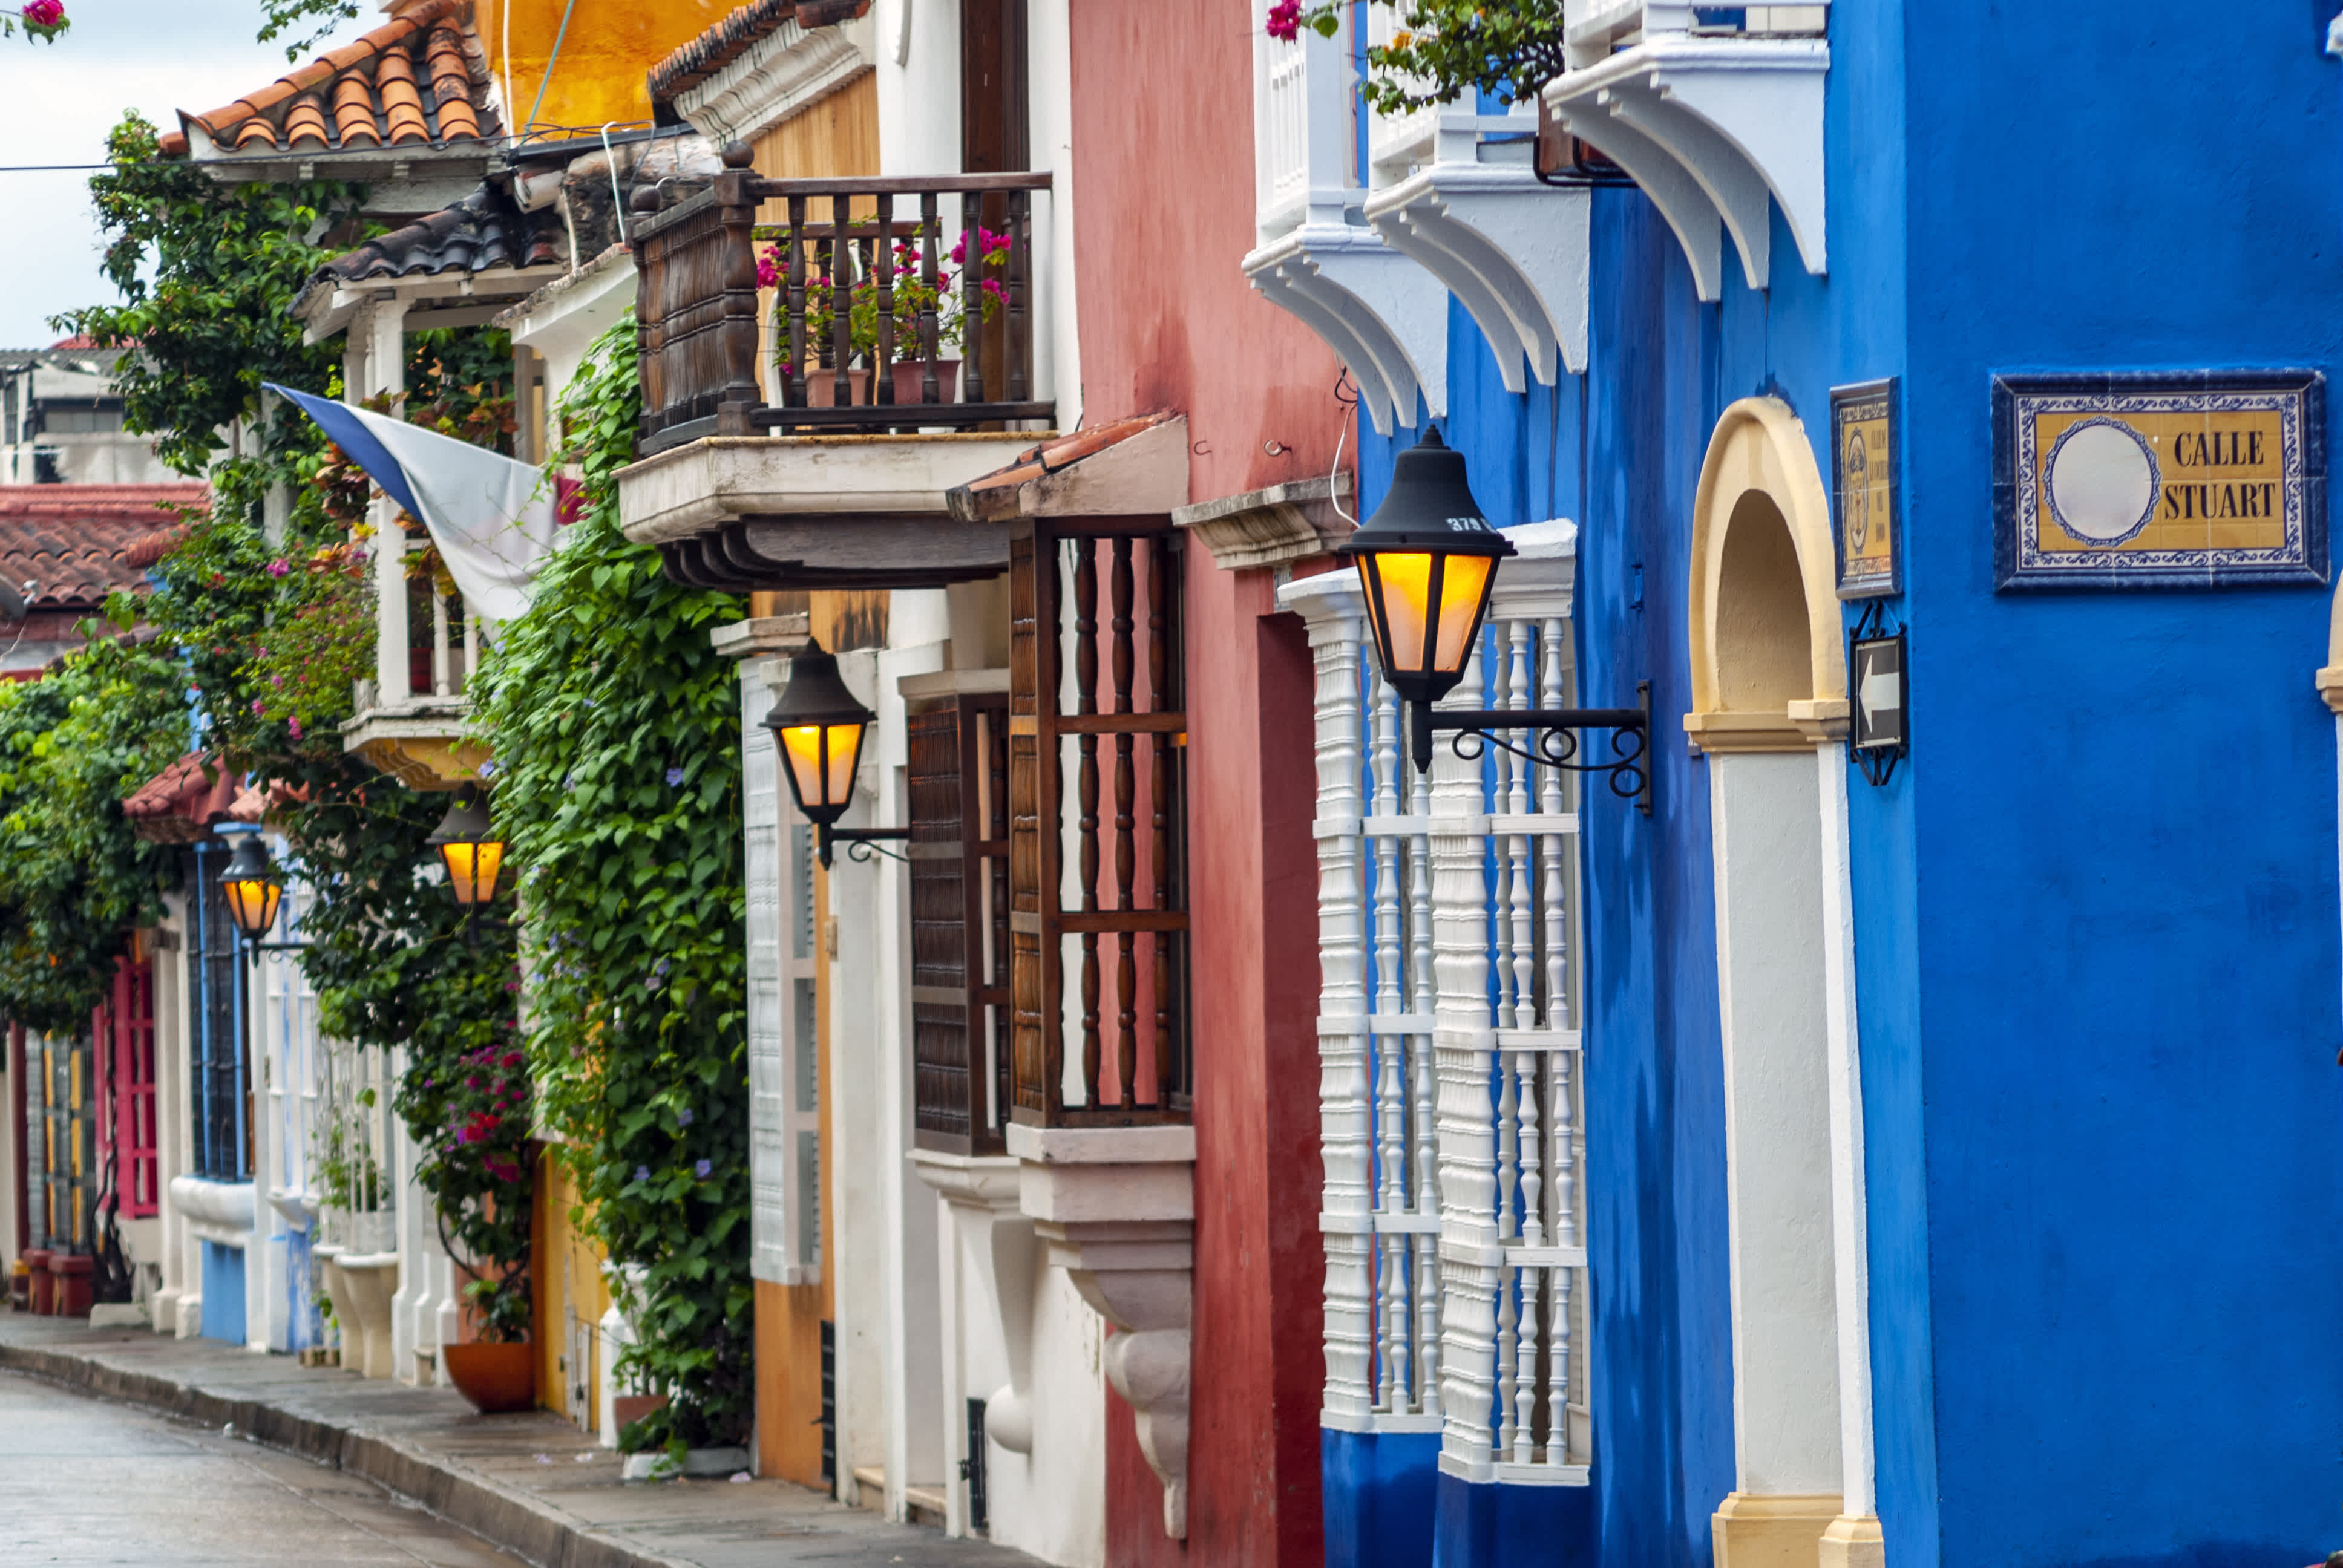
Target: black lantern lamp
[(818, 727), (1427, 563), (469, 847), (253, 888)]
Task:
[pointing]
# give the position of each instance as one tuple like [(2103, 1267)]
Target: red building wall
[(1164, 214)]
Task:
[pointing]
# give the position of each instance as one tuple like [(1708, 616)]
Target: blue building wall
[(2124, 813), (223, 1286), (2098, 962)]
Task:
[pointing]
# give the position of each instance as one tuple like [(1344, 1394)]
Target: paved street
[(85, 1481)]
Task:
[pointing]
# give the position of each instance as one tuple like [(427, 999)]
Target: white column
[(1330, 606), (385, 371)]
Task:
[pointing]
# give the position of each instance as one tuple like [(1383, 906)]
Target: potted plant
[(910, 296), (470, 1110)]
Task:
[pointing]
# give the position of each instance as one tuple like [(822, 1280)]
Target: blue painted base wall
[(1379, 1489), (1479, 1526), (223, 1292)]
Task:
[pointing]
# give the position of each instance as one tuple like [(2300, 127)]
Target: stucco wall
[(1162, 151)]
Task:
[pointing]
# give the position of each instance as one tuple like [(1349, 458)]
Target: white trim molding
[(1512, 249), (1709, 121)]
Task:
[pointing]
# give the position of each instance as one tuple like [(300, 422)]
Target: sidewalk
[(533, 1484)]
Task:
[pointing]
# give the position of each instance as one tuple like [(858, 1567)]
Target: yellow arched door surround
[(1762, 574), (1769, 704)]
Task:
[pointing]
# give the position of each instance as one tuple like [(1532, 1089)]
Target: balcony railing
[(1609, 25), (897, 304)]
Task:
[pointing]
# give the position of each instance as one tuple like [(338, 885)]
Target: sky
[(57, 104)]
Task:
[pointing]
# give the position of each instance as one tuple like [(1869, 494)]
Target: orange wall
[(606, 55)]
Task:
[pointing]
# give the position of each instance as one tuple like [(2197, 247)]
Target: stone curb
[(518, 1523)]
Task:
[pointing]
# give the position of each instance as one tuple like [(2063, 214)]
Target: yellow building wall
[(605, 57), (567, 1296)]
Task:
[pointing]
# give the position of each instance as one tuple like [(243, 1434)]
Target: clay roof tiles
[(484, 230), (181, 803), (376, 86), (74, 542)]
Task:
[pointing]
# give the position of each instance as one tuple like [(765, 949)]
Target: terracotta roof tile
[(181, 803), (304, 123), (482, 231), (451, 85), (992, 496), (432, 40), (72, 541), (402, 104)]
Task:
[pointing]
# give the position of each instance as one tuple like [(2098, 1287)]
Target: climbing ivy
[(618, 746)]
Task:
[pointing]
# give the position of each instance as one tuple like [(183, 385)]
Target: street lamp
[(252, 887), (1427, 563), (469, 848), (818, 727)]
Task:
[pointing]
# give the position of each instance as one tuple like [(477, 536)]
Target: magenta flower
[(256, 705), (296, 725), (1285, 20), (44, 13), (279, 567)]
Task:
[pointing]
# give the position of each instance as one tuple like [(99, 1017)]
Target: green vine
[(1446, 48), (618, 746)]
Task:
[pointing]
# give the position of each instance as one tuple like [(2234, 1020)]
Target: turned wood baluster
[(929, 391), (1159, 800), (1086, 703), (1021, 267), (1126, 979), (841, 300), (794, 392), (882, 261), (971, 297)]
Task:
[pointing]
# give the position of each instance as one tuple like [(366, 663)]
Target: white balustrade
[(1596, 30), (1449, 1107)]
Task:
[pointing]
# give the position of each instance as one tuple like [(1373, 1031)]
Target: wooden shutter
[(958, 848), (1071, 689)]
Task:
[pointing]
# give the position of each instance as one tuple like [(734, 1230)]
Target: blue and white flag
[(492, 516)]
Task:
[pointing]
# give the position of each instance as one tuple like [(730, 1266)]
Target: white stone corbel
[(1383, 316), (1117, 1208), (1710, 126), (1512, 249)]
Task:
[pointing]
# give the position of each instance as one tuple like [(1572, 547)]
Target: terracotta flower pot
[(909, 375), (821, 388), (41, 1286), (494, 1377), (73, 1283)]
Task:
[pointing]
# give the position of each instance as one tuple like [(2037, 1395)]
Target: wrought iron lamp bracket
[(862, 843), (1557, 743)]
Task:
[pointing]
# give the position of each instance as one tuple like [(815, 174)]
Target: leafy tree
[(313, 20), (1447, 48)]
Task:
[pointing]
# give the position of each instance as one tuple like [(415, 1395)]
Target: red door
[(124, 1032)]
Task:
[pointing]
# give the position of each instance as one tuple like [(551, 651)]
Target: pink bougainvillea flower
[(44, 13), (1285, 20), (296, 725), (279, 567)]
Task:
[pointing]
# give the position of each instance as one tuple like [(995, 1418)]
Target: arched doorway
[(1770, 709)]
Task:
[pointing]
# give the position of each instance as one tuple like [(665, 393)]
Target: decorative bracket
[(1117, 1206), (1709, 127), (1383, 315), (1511, 248)]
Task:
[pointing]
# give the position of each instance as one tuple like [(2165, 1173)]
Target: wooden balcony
[(411, 721), (898, 306)]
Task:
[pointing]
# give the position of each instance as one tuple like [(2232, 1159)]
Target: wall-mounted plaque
[(1865, 444), (2202, 479)]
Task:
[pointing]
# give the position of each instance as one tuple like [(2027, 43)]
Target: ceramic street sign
[(1866, 439), (2202, 479)]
